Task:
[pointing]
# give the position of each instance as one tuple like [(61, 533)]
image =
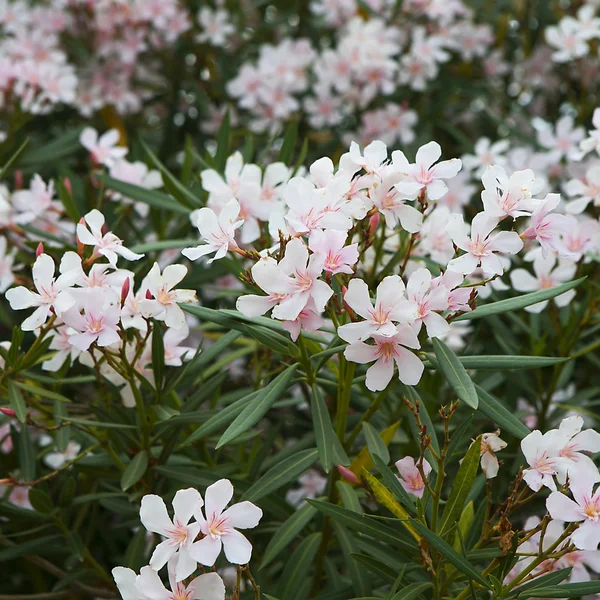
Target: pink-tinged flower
[(373, 157), (481, 247), (547, 227), (104, 149), (422, 300), (505, 196), (490, 444), (330, 243), (136, 173), (6, 265), (220, 527), (574, 443), (379, 319), (410, 476), (217, 231), (424, 175), (567, 40), (291, 283), (434, 240), (547, 275), (389, 201), (580, 236), (308, 320), (564, 141), (584, 190), (542, 454), (592, 142), (98, 323), (385, 352), (52, 294), (585, 508), (108, 244), (485, 155), (216, 26), (164, 303), (312, 484), (207, 586), (37, 200), (174, 353), (56, 459), (179, 533), (61, 341)]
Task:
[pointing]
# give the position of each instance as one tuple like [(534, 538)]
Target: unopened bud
[(374, 223), (9, 412), (68, 186), (18, 179), (148, 295), (39, 250), (79, 244), (125, 290), (347, 474)]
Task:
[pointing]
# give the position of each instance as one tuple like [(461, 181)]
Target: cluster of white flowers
[(187, 543), (571, 38)]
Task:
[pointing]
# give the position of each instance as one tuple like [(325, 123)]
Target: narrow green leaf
[(17, 402), (29, 547), (544, 581), (50, 153), (40, 501), (288, 531), (100, 424), (299, 564), (412, 591), (259, 406), (8, 164), (67, 201), (375, 566), (567, 590), (140, 194), (42, 391), (364, 524), (511, 304), (461, 486), (360, 582), (503, 417), (455, 373), (393, 484), (453, 557), (502, 361), (375, 444), (289, 141), (323, 428), (135, 470), (26, 455), (63, 434), (283, 472), (136, 550)]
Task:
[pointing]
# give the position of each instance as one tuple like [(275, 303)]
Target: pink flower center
[(166, 297), (386, 350), (545, 464), (179, 534), (96, 324), (217, 527), (380, 315)]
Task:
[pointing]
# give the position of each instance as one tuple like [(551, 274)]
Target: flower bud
[(39, 250), (9, 412), (125, 290), (148, 295), (18, 179), (374, 223), (68, 186), (347, 474)]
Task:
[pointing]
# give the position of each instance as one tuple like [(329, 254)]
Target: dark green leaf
[(223, 143), (511, 304), (299, 564), (40, 501), (135, 470), (375, 444), (455, 373), (284, 472), (158, 355), (17, 402), (258, 406), (412, 591), (502, 416), (322, 427), (26, 455)]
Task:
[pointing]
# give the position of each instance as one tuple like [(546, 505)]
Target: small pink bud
[(148, 295), (374, 223), (6, 481), (39, 250), (9, 412), (68, 185), (125, 290), (18, 179), (347, 474)]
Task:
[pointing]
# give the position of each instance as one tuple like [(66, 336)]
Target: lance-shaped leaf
[(451, 555), (502, 361), (299, 564), (566, 590), (324, 434), (461, 486), (135, 470), (258, 406), (501, 415), (284, 472), (287, 533), (17, 403), (510, 304), (455, 373), (360, 581), (375, 444), (412, 591)]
